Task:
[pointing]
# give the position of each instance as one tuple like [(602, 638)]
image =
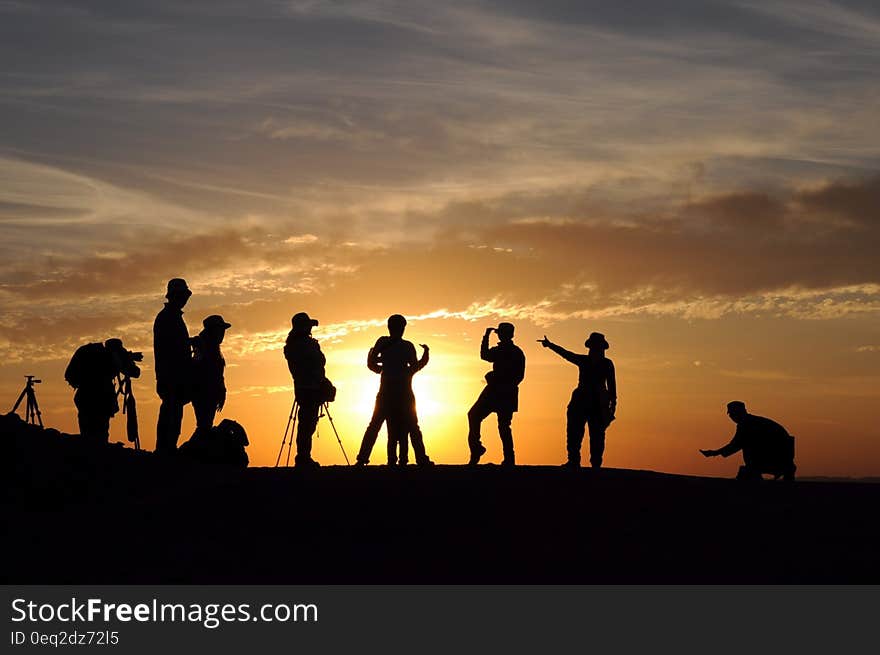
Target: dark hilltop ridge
[(80, 514)]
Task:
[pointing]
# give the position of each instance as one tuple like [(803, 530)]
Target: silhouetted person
[(306, 364), (173, 360), (394, 358), (501, 393), (209, 386), (766, 446), (594, 400), (93, 371)]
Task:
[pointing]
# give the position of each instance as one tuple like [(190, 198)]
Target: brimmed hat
[(215, 321), (303, 320), (177, 285), (505, 329), (596, 340)]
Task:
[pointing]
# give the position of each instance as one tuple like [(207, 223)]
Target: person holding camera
[(593, 402), (310, 384), (92, 371), (209, 386), (394, 358), (501, 393), (173, 360)]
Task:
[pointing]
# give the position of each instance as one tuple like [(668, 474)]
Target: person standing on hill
[(394, 358), (306, 364), (501, 393), (209, 385), (173, 360), (593, 401)]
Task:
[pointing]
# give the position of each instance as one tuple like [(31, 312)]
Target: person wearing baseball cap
[(305, 361), (173, 362), (501, 393), (209, 384), (593, 402), (767, 447)]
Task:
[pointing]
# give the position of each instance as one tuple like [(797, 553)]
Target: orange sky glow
[(704, 190)]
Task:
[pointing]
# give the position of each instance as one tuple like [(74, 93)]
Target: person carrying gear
[(306, 364), (209, 386), (173, 361), (92, 371), (593, 401), (501, 393), (766, 446)]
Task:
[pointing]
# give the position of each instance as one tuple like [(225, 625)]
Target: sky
[(697, 180)]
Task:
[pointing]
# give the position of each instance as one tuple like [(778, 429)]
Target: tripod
[(129, 408), (291, 427), (32, 409)]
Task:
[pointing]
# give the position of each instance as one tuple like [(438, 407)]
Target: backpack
[(83, 364)]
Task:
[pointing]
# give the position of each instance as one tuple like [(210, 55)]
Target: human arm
[(567, 355), (735, 445), (373, 362), (612, 387), (423, 362), (486, 353)]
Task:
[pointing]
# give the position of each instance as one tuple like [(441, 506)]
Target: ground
[(76, 514)]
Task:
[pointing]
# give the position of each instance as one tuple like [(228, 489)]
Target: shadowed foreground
[(78, 515)]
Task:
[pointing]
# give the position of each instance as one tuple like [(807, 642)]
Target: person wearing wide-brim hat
[(306, 364), (209, 385), (173, 364), (593, 402)]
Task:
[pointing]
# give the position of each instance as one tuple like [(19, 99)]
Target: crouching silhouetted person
[(306, 364), (173, 359), (766, 446), (593, 401), (501, 393), (93, 371), (209, 386)]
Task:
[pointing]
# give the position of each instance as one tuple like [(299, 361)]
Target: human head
[(396, 325), (505, 331), (736, 410), (596, 340), (178, 292), (216, 326), (303, 323)]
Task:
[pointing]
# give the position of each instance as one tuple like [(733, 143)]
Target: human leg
[(575, 423), (506, 434), (476, 415), (168, 424), (307, 421), (597, 440), (371, 433)]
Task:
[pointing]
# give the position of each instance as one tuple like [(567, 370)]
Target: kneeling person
[(766, 446)]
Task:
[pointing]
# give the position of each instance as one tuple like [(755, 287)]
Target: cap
[(303, 320), (215, 321)]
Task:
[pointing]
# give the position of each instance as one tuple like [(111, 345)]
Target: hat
[(215, 321), (303, 320), (177, 285), (736, 405), (505, 329), (596, 340), (113, 344)]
